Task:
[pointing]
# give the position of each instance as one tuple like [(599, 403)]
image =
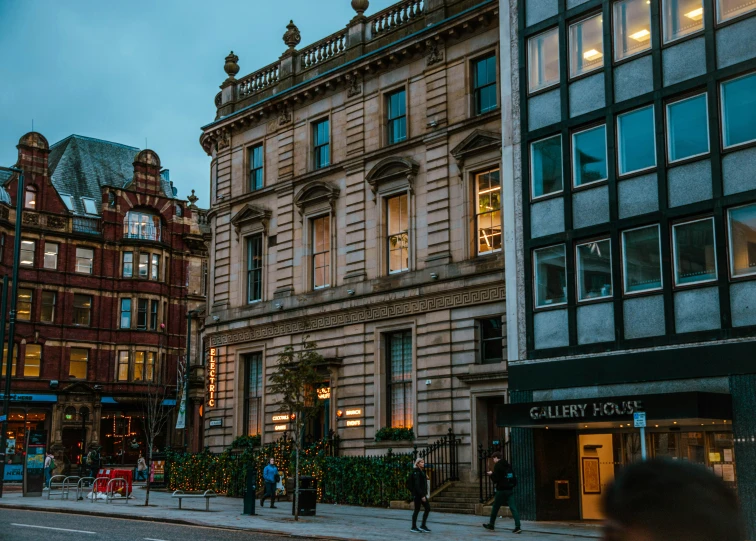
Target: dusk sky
[(126, 71)]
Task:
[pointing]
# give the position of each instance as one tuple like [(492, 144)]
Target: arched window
[(141, 225), (30, 198), (70, 414)]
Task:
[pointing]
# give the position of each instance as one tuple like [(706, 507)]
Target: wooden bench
[(207, 495)]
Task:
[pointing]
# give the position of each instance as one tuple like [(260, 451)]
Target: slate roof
[(81, 166)]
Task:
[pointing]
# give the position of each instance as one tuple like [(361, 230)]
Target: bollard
[(250, 494)]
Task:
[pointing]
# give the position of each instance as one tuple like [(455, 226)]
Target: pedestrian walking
[(93, 461), (271, 477), (666, 500), (505, 481), (418, 486), (141, 469), (49, 467)]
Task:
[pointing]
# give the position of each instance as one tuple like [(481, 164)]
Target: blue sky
[(126, 71)]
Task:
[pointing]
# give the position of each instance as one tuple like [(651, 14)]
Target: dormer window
[(141, 225), (90, 207), (68, 200), (30, 199)]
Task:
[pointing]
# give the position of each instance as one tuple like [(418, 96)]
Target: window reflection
[(632, 28), (586, 46), (551, 276)]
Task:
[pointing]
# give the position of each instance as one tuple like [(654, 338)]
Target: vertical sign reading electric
[(211, 371)]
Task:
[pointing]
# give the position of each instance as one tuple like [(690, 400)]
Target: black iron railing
[(485, 464), (441, 460), (133, 230)]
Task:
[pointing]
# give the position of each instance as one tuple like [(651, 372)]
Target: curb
[(178, 522)]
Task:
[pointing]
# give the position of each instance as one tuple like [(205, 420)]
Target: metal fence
[(485, 464), (441, 460)]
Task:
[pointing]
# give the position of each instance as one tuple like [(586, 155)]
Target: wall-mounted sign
[(580, 411), (280, 428), (353, 412), (354, 422), (324, 393), (282, 417), (216, 422), (211, 377)]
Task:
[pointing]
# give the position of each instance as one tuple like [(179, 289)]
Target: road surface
[(16, 525)]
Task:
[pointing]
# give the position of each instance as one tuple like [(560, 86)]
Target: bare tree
[(155, 420), (295, 381)]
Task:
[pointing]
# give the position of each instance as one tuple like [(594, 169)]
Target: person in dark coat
[(504, 480), (668, 500), (419, 488)]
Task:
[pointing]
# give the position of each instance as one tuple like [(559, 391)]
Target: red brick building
[(111, 261)]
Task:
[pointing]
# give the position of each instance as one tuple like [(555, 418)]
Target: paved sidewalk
[(340, 522)]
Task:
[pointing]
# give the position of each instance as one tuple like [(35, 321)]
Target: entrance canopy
[(672, 407)]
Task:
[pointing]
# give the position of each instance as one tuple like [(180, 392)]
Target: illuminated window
[(488, 212), (24, 304), (30, 198), (47, 314), (321, 252), (122, 370), (149, 366), (84, 260), (78, 363), (51, 255), (5, 358), (399, 379), (586, 46), (729, 9), (632, 28), (543, 60), (397, 225), (141, 225), (32, 360), (139, 365), (27, 253), (681, 18)]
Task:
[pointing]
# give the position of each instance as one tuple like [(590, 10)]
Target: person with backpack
[(49, 467), (505, 481), (93, 461), (271, 477), (418, 487)]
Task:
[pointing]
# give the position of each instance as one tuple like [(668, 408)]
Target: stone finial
[(360, 6), (192, 200), (231, 66), (292, 37)]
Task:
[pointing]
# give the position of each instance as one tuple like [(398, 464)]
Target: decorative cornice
[(497, 375), (315, 192), (391, 168), (372, 312), (251, 214)]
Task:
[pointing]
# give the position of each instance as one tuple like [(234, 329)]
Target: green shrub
[(395, 434), (247, 442)]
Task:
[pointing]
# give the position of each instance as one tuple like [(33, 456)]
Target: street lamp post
[(13, 301)]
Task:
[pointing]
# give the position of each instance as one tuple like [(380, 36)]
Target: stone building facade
[(111, 260), (356, 201), (630, 252)]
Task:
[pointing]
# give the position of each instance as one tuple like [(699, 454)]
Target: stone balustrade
[(259, 80), (325, 49), (395, 16)]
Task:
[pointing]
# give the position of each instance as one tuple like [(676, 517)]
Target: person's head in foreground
[(665, 500)]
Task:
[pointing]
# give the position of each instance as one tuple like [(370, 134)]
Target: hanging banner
[(181, 417)]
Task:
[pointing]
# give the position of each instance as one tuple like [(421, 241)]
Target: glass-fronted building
[(636, 251)]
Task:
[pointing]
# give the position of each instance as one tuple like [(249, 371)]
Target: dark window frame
[(406, 382), (483, 340), (321, 148), (81, 309), (398, 122), (478, 88), (255, 263), (253, 366), (48, 304), (256, 170)]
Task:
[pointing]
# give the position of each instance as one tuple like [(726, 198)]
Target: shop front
[(580, 445), (28, 412)]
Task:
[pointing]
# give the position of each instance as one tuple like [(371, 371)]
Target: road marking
[(48, 528), (151, 539)]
